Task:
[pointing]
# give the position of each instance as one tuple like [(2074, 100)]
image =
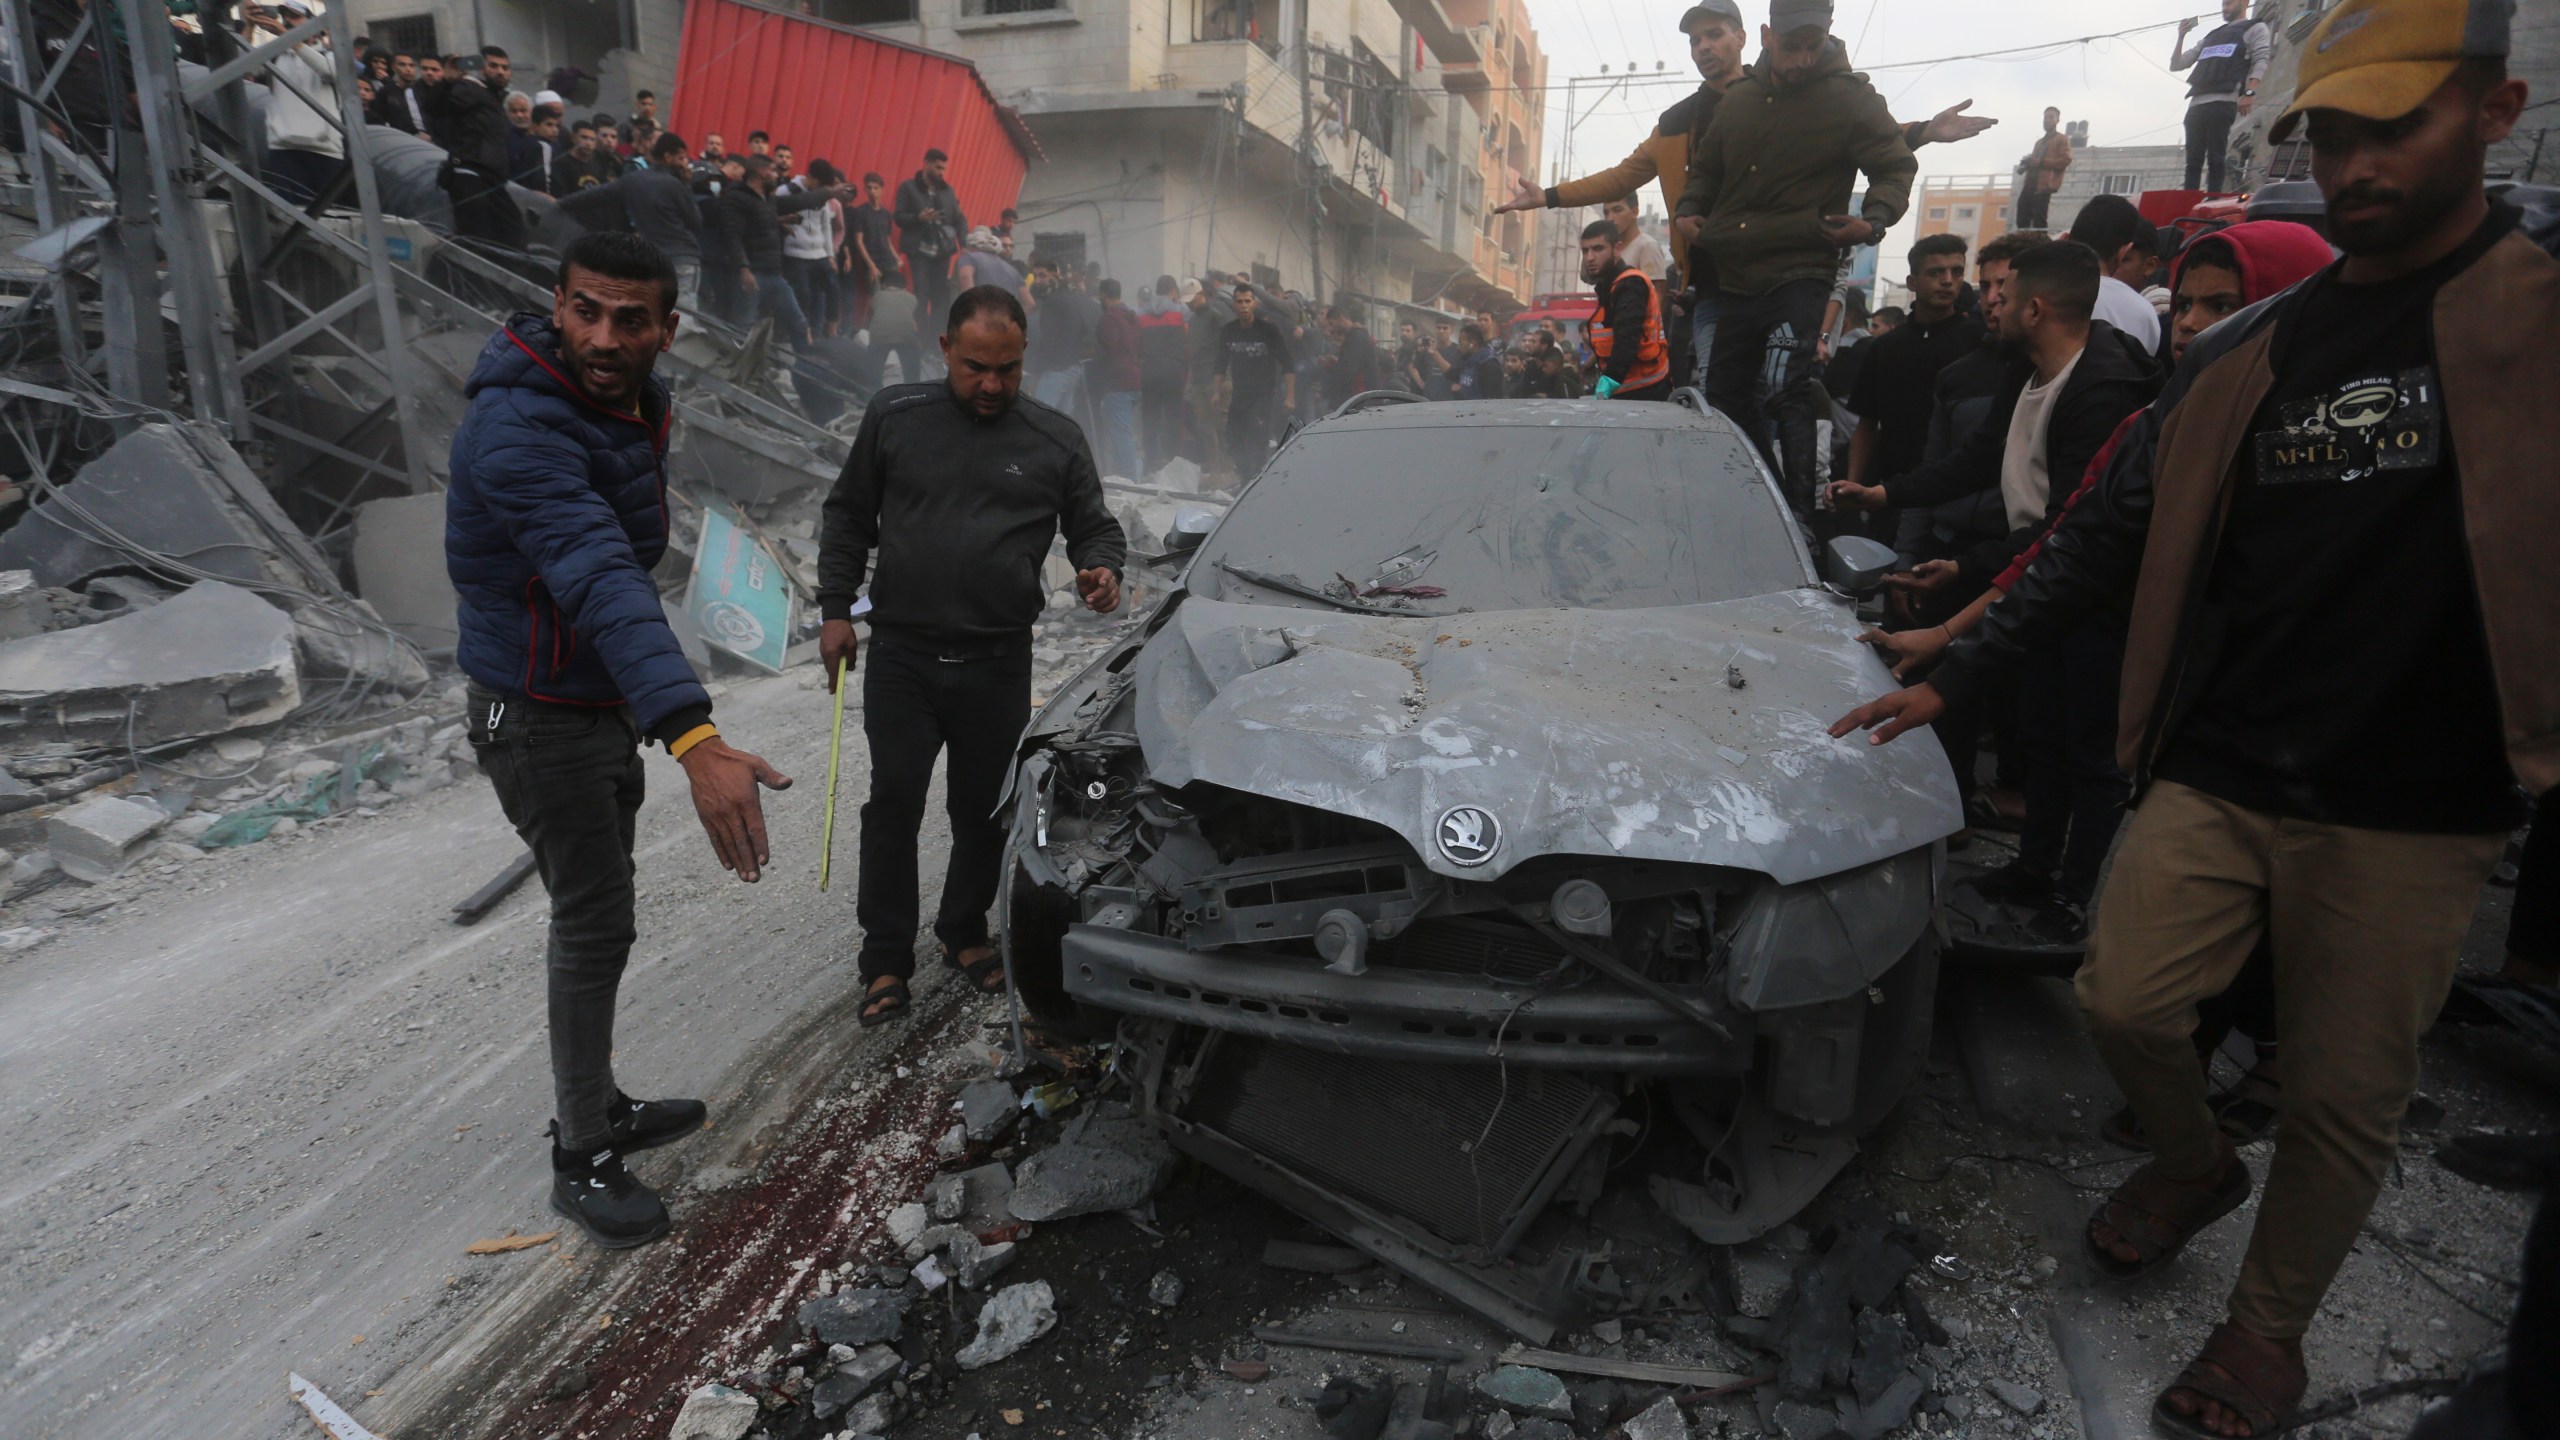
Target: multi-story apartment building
[(1976, 207)]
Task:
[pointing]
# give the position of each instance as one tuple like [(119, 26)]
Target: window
[(1235, 20), (1009, 7), (2004, 212), (1064, 246), (1937, 212), (407, 35), (862, 12), (1965, 212), (2121, 183)]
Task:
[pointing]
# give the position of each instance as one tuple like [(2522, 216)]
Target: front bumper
[(1395, 1014)]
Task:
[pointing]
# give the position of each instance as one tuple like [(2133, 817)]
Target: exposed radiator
[(1463, 1150)]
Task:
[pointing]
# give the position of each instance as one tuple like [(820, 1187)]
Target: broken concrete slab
[(2025, 1399), (24, 610), (973, 1264), (1661, 1420), (1105, 1159), (1164, 1289), (399, 565), (1016, 1316), (907, 1223), (1531, 1392), (988, 1108), (97, 838), (156, 489), (211, 659), (990, 1189), (946, 1197), (715, 1412), (856, 1317)]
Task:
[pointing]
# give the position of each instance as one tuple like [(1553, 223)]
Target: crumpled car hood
[(1581, 732)]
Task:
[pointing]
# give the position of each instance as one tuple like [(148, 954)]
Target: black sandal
[(984, 974), (887, 1003)]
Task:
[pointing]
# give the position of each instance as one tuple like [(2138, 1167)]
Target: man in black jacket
[(656, 204), (2072, 381), (469, 116), (956, 485), (930, 225), (749, 217)]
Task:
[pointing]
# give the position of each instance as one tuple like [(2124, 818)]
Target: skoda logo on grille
[(1469, 836)]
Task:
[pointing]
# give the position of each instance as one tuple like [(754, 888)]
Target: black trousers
[(916, 704), (2035, 209), (2533, 931), (2209, 141), (1249, 434), (482, 209), (1765, 343), (931, 275), (1162, 408), (2067, 725), (569, 779)]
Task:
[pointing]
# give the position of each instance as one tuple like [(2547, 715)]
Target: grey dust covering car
[(1474, 782)]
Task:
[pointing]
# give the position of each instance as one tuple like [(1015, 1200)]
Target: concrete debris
[(399, 567), (345, 640), (23, 937), (863, 1369), (1500, 1425), (1531, 1392), (1885, 1350), (1016, 1316), (1165, 1289), (1760, 1280), (870, 1418), (988, 1108), (929, 1274), (2026, 1400), (947, 1197), (1105, 1159), (907, 1223), (1542, 1429), (213, 658), (1889, 1411), (1660, 1421), (166, 490), (715, 1412), (934, 1238), (952, 1143), (990, 1188), (856, 1317), (974, 1263), (23, 608), (28, 869), (97, 838)]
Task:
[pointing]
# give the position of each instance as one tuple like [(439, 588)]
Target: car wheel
[(1036, 921)]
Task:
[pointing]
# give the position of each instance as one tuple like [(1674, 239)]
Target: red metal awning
[(836, 93)]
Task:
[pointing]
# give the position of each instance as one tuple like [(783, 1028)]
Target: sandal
[(2157, 1216), (2247, 1111), (2237, 1372), (888, 1002), (984, 974)]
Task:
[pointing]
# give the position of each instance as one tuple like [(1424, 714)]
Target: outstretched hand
[(1910, 651), (1951, 125), (724, 796), (1526, 197), (1902, 710)]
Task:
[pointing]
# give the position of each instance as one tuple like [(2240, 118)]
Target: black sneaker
[(593, 1188), (647, 1124)]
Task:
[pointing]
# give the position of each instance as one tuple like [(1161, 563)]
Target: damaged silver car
[(1470, 791)]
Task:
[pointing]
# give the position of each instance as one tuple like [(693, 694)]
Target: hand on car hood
[(1583, 732)]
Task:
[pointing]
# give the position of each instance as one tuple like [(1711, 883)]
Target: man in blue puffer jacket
[(556, 514)]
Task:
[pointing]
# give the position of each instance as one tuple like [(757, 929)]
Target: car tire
[(1036, 921)]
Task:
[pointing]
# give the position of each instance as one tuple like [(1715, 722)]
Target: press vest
[(1653, 351), (2222, 61)]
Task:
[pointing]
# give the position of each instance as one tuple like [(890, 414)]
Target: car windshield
[(1434, 519)]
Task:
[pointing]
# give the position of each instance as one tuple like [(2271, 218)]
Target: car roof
[(1439, 414)]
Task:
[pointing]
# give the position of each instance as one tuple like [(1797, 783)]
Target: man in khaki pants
[(2334, 529)]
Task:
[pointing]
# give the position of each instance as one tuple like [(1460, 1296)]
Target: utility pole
[(1310, 158)]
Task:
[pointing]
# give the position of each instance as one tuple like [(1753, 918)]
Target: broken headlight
[(1828, 938)]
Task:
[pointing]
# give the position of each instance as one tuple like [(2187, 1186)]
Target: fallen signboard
[(738, 596)]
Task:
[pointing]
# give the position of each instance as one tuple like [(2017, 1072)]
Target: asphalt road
[(255, 1115)]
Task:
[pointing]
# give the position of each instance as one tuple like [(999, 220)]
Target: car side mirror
[(1856, 565), (1191, 525)]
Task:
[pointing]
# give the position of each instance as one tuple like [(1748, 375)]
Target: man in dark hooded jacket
[(555, 517)]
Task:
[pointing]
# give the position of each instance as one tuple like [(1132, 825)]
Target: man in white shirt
[(2125, 242), (1636, 249)]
